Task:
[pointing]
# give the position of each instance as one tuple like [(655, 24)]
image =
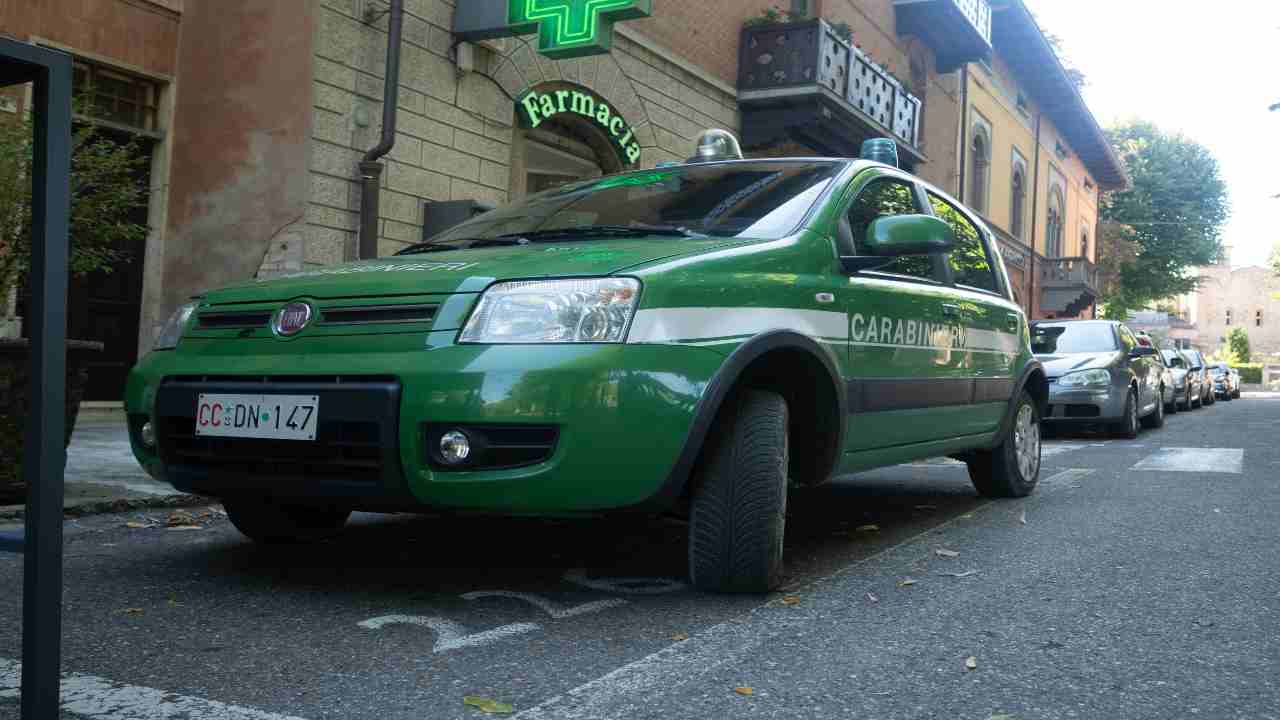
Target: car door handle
[(950, 310), (1013, 321)]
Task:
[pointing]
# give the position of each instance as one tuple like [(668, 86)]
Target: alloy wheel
[(1026, 442)]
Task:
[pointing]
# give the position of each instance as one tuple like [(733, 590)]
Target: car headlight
[(1086, 378), (596, 310), (173, 329)]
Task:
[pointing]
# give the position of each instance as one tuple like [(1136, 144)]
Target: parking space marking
[(102, 699), (1198, 460), (1067, 476), (449, 634), (550, 607)]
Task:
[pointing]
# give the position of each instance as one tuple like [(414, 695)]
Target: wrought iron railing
[(1067, 272), (791, 56)]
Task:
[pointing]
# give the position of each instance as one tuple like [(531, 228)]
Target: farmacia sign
[(536, 107)]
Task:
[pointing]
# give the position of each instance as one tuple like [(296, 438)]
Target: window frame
[(1018, 200), (985, 239), (147, 109), (941, 268)]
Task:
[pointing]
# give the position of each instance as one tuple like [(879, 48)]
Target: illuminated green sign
[(535, 108), (572, 28)]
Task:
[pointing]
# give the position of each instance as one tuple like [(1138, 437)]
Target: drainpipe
[(964, 125), (370, 168), (1035, 224)]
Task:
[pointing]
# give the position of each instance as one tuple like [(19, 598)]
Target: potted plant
[(105, 192)]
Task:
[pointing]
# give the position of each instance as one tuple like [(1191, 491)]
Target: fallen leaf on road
[(971, 663), (138, 525), (745, 691), (791, 600), (1023, 517), (181, 518), (486, 705), (964, 574), (943, 552), (184, 527), (868, 528), (872, 597), (132, 611), (906, 582), (680, 637)]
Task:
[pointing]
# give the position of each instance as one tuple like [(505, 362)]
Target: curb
[(117, 505)]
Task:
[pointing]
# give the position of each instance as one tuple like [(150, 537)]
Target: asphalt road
[(1114, 592)]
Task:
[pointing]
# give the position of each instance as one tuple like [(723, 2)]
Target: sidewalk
[(102, 475)]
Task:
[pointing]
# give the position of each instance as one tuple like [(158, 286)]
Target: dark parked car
[(1100, 373), (1225, 385), (1200, 366), (1187, 385)]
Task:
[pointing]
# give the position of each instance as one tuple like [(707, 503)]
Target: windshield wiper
[(635, 230), (430, 247)]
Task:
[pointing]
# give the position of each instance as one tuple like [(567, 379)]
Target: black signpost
[(44, 457)]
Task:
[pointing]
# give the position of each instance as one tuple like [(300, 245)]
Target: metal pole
[(44, 457)]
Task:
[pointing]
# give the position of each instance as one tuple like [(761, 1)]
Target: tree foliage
[(1174, 212), (105, 192), (1238, 345)]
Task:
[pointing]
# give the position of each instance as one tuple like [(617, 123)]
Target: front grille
[(1081, 411), (495, 447), (234, 320), (381, 314), (355, 443), (342, 450)]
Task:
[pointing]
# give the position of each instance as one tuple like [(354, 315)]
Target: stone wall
[(456, 130), (1245, 292)]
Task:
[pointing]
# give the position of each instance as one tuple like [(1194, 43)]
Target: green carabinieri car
[(694, 339)]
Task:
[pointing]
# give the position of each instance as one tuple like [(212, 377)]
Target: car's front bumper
[(1085, 405), (620, 416)]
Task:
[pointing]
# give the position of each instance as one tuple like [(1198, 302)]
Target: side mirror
[(898, 235), (1142, 351)]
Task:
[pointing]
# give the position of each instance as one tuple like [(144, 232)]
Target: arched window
[(1018, 204), (1053, 229), (979, 169), (1084, 244), (1228, 316), (1257, 319)]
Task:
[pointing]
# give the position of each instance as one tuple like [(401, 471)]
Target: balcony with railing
[(801, 77), (959, 31), (1067, 285)]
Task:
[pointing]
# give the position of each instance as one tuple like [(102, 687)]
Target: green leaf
[(487, 705)]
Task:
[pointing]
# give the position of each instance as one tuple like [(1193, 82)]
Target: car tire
[(1226, 397), (267, 521), (1012, 468), (1172, 407), (1235, 394), (1128, 426), (738, 513), (1198, 402), (1155, 419)]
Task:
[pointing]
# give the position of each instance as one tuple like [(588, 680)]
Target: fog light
[(148, 434), (455, 447)]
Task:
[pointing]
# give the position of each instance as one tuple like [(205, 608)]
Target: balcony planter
[(807, 62), (15, 394)]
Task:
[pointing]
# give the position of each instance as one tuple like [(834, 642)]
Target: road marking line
[(550, 607), (1198, 460), (103, 699), (449, 634), (1067, 476)]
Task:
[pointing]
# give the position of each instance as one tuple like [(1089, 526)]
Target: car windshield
[(765, 200), (1173, 359), (1194, 358), (1068, 338)]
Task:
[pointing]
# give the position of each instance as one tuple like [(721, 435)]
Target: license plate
[(276, 417)]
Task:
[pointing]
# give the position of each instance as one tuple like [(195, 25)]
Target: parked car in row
[(1099, 373), (1226, 381), (1200, 367), (1187, 384)]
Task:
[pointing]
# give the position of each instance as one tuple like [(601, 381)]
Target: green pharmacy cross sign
[(566, 28)]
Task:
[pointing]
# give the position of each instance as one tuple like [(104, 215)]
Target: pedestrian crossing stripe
[(1228, 461)]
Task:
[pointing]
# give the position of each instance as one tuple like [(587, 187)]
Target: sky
[(1209, 70)]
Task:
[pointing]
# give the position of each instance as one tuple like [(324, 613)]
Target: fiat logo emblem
[(292, 318)]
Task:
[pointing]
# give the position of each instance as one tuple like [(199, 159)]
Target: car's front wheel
[(1012, 469), (738, 514), (1127, 427), (1155, 419), (267, 521)]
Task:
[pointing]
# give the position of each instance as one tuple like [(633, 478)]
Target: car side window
[(886, 197), (970, 263)]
